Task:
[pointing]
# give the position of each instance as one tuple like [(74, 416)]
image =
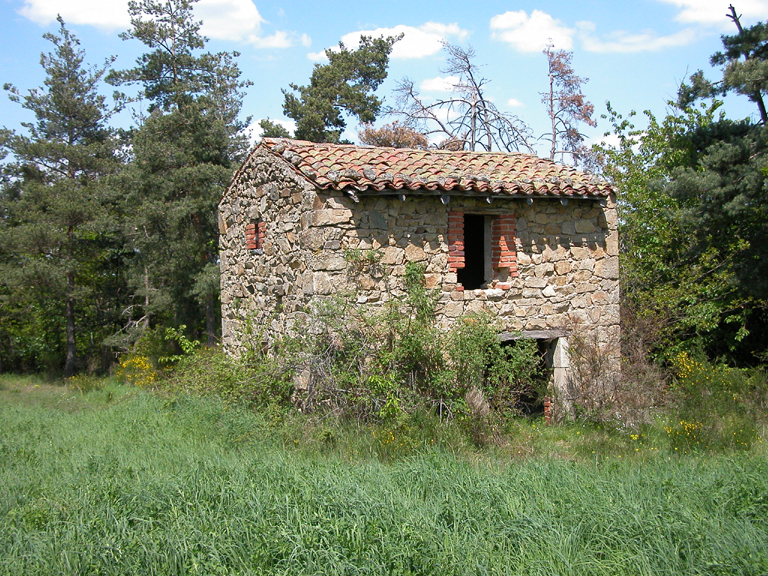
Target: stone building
[(531, 242)]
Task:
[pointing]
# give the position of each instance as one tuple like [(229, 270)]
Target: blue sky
[(634, 53)]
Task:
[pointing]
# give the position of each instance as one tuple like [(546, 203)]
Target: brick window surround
[(255, 232), (503, 251)]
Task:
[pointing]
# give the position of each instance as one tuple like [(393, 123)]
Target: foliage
[(467, 119), (372, 365), (344, 85), (184, 154), (137, 370), (173, 74), (508, 375), (256, 382), (58, 253), (689, 214), (747, 76), (394, 135), (717, 407), (271, 129), (722, 210), (187, 346)]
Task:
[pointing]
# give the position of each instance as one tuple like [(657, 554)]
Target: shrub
[(254, 382), (137, 370), (351, 361), (715, 406)]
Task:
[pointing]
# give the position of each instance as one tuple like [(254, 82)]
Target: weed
[(352, 362), (137, 370), (717, 406)]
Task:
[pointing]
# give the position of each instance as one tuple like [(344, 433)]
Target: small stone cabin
[(531, 242)]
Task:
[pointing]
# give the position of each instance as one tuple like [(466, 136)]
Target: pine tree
[(343, 86), (55, 202), (270, 129), (184, 154)]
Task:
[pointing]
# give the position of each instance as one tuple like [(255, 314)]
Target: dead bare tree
[(467, 119), (566, 106)]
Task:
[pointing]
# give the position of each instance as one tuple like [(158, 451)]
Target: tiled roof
[(372, 169)]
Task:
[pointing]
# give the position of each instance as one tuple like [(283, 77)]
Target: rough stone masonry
[(531, 242)]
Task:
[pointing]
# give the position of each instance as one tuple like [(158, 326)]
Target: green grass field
[(120, 481)]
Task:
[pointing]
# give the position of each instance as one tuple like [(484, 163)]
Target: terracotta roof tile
[(370, 169)]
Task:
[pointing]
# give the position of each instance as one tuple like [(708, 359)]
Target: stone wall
[(556, 270)]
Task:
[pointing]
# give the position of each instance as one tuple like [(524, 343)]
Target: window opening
[(473, 274), (254, 234), (481, 250)]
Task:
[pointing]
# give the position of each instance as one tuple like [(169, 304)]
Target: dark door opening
[(472, 276), (531, 394)]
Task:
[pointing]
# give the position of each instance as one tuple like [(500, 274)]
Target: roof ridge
[(376, 168)]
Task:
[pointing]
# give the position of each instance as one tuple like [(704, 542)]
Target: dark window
[(472, 276), (481, 250)]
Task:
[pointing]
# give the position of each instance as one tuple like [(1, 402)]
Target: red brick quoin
[(503, 249)]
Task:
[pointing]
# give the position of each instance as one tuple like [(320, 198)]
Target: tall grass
[(141, 484)]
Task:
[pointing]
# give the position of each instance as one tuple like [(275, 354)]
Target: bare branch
[(466, 118), (566, 105)]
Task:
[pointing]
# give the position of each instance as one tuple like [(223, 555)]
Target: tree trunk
[(210, 319), (69, 364), (552, 116), (146, 298), (473, 122)]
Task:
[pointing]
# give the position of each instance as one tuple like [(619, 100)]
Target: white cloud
[(279, 39), (531, 33), (416, 42), (108, 14), (713, 12), (254, 130), (228, 19), (514, 103), (439, 84), (623, 42), (222, 19), (318, 56)]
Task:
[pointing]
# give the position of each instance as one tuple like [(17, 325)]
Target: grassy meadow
[(111, 479)]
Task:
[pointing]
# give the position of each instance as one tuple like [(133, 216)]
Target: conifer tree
[(343, 86), (184, 154), (54, 204)]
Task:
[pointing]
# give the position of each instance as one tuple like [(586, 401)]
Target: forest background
[(108, 229)]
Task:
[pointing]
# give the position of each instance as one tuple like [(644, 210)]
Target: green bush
[(378, 365), (254, 382), (716, 406)]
